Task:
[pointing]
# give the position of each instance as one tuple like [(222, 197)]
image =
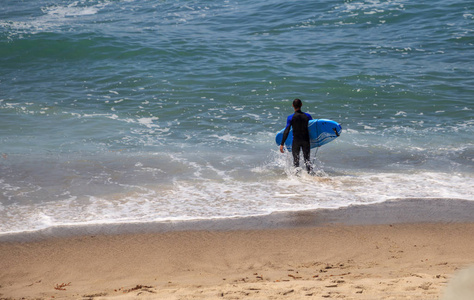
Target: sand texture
[(392, 261)]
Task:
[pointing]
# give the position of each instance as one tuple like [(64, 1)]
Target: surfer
[(299, 121)]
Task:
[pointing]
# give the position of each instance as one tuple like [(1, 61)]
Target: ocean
[(127, 111)]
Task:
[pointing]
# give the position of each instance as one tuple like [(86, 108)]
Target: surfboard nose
[(337, 130)]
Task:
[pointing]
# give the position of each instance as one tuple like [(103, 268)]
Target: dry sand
[(378, 261)]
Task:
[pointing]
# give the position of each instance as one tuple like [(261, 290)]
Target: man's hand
[(282, 150)]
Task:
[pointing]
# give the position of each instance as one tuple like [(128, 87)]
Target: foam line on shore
[(390, 212)]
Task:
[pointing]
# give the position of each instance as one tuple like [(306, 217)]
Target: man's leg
[(306, 156), (295, 150)]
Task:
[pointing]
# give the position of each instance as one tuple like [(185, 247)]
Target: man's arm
[(285, 136)]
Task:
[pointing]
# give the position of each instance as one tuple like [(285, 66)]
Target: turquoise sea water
[(141, 111)]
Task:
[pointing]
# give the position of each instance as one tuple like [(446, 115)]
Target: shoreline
[(396, 211), (361, 252)]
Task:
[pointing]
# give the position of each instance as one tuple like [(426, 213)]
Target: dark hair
[(297, 103)]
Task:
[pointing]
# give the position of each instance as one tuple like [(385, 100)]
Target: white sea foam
[(224, 196), (371, 6), (71, 10), (401, 113), (53, 18), (148, 122), (231, 138)]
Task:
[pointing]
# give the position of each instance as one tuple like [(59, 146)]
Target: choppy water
[(140, 111)]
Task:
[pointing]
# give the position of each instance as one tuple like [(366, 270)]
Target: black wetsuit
[(299, 121)]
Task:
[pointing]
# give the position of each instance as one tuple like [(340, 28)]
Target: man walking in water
[(299, 121)]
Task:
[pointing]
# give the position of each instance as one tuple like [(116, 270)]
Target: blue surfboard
[(321, 132)]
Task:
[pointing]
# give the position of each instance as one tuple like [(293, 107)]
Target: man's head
[(297, 104)]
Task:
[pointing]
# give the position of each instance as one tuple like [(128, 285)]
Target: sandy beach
[(314, 259)]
